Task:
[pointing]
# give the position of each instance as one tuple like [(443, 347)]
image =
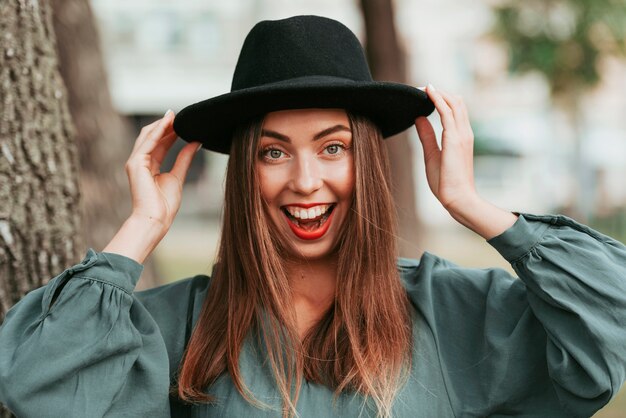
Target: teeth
[(301, 213)]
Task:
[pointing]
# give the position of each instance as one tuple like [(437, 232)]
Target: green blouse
[(552, 344)]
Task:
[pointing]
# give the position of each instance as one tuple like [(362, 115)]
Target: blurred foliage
[(484, 146), (565, 40), (613, 225), (487, 144)]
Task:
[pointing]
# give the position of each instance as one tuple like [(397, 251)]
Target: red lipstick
[(309, 235), (307, 205)]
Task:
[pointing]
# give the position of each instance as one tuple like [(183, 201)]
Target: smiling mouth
[(309, 224), (308, 229)]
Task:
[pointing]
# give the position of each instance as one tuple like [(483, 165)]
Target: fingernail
[(199, 146), (168, 112), (431, 87), (422, 88)]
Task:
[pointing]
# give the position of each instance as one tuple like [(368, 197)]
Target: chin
[(311, 252)]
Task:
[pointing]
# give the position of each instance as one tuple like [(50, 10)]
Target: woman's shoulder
[(465, 304), (175, 308), (431, 268), (174, 291), (175, 302), (434, 283)]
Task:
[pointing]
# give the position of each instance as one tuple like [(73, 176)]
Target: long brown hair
[(362, 344)]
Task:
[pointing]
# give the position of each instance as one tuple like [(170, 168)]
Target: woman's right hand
[(156, 196)]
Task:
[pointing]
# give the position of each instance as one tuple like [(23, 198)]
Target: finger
[(158, 155), (166, 135), (162, 129), (459, 111), (445, 112), (145, 131), (183, 160), (427, 136)]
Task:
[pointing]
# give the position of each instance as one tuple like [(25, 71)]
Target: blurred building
[(164, 55)]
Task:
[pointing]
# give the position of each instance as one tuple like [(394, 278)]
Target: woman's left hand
[(449, 170)]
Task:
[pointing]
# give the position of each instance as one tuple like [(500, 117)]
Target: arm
[(557, 333), (551, 344), (576, 283), (483, 218), (95, 352), (84, 345)]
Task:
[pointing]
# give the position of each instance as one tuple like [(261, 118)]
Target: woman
[(308, 312)]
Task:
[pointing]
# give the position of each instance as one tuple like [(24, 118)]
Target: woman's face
[(306, 173)]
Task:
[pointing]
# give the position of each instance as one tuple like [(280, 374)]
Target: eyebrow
[(321, 134)]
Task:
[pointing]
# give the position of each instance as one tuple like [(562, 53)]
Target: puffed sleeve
[(96, 351), (551, 343)]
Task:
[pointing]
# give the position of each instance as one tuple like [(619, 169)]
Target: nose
[(306, 176)]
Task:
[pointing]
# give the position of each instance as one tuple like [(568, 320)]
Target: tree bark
[(39, 193), (103, 136), (388, 63), (39, 220)]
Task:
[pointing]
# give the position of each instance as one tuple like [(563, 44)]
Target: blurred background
[(544, 82)]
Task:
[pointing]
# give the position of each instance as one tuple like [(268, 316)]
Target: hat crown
[(299, 46)]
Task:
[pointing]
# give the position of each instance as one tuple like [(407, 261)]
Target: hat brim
[(393, 107)]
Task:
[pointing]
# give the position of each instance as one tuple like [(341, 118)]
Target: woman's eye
[(334, 149), (272, 154)]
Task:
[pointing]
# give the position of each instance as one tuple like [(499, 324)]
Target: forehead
[(304, 119)]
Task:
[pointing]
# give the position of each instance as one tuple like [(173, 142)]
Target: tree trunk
[(582, 199), (39, 194), (103, 136), (39, 220), (387, 62)]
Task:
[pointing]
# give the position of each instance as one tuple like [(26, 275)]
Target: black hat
[(297, 63)]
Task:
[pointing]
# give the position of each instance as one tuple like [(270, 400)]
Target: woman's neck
[(313, 280), (313, 288)]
